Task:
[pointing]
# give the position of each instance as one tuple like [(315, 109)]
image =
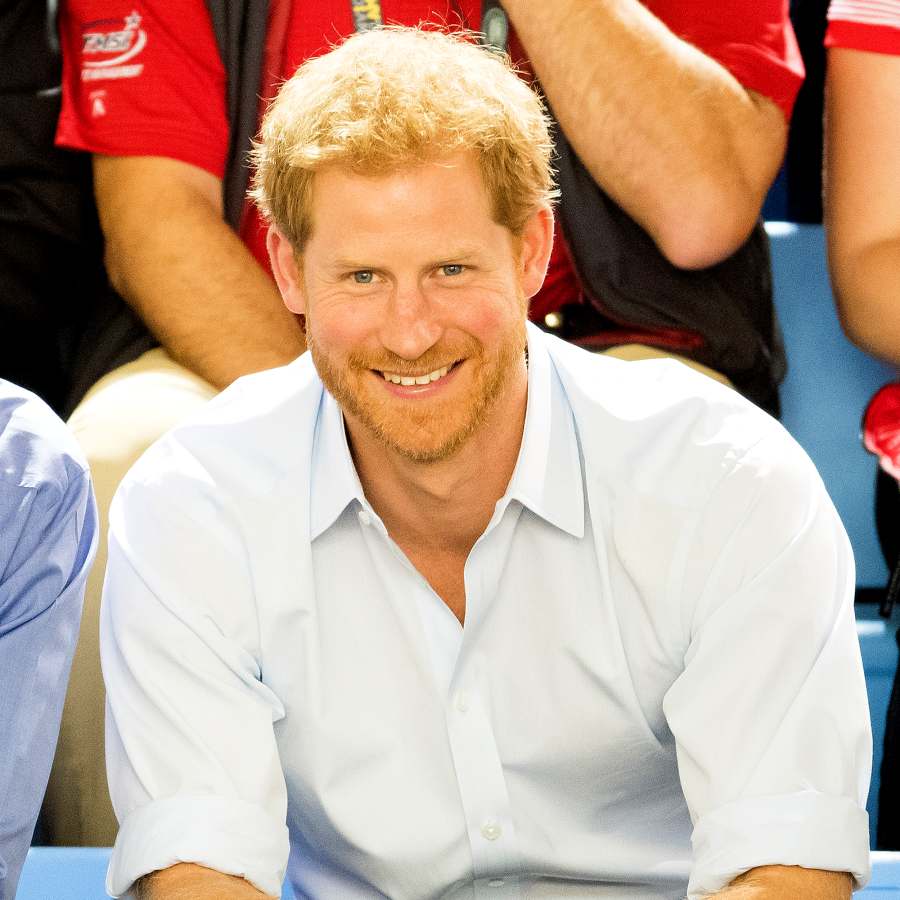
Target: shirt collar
[(334, 482), (547, 478)]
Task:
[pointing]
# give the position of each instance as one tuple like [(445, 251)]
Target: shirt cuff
[(227, 835), (815, 831)]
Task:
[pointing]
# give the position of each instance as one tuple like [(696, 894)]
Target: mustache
[(434, 358)]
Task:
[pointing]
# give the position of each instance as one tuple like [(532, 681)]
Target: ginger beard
[(430, 430)]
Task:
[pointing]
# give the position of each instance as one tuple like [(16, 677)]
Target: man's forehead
[(454, 177), (437, 207)]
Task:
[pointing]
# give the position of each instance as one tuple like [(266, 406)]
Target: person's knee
[(128, 409)]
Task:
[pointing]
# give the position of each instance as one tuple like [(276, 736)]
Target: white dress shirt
[(659, 670)]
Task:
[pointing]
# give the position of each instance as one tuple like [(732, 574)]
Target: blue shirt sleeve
[(48, 531)]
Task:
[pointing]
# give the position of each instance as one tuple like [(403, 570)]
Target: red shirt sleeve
[(753, 39), (872, 25), (143, 78)]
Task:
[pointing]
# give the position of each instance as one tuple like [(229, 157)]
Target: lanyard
[(366, 14), (494, 24)]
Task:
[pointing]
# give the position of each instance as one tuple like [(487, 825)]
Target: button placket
[(476, 757), (482, 788)]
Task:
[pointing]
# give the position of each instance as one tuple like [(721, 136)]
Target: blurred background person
[(60, 326)]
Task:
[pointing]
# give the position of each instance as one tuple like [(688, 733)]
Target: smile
[(416, 379)]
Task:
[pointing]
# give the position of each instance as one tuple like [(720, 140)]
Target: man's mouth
[(425, 378)]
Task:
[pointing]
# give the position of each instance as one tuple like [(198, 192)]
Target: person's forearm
[(189, 277), (788, 883), (189, 882), (862, 206), (867, 289), (669, 133)]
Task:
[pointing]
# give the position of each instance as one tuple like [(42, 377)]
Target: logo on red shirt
[(110, 54)]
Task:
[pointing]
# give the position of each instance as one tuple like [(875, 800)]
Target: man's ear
[(535, 243), (286, 271)]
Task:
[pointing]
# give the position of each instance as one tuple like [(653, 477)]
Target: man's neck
[(444, 505)]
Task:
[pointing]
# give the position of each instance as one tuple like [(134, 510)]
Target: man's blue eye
[(452, 269), (365, 276)]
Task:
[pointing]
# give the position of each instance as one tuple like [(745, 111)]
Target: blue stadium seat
[(828, 385), (885, 881), (64, 873), (71, 873)]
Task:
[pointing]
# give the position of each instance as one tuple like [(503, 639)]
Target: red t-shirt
[(872, 25), (144, 78)]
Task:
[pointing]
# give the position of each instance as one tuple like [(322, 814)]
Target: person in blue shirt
[(48, 536)]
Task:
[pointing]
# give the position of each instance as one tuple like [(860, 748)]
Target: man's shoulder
[(47, 515), (36, 447), (655, 392), (247, 438), (662, 427)]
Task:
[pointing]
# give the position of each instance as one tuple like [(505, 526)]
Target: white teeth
[(417, 379)]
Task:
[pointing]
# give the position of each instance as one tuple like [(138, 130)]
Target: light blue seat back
[(828, 385), (885, 881)]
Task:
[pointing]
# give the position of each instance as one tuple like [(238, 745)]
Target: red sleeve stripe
[(881, 13)]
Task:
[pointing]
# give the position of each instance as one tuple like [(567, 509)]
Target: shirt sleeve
[(770, 714), (143, 79), (192, 760), (47, 540), (753, 39), (872, 25)]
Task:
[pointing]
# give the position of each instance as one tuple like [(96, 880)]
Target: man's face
[(415, 301)]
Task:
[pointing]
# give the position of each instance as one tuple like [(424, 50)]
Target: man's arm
[(189, 882), (192, 759), (664, 129), (789, 883), (862, 204), (769, 714), (173, 258)]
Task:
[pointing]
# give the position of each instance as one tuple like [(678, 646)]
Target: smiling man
[(447, 607)]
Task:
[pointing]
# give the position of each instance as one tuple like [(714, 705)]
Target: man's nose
[(412, 325)]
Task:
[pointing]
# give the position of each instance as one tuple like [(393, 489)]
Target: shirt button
[(496, 882), (462, 701), (490, 831), (364, 517)]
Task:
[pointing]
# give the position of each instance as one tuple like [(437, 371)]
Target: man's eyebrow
[(460, 254), (349, 264)]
